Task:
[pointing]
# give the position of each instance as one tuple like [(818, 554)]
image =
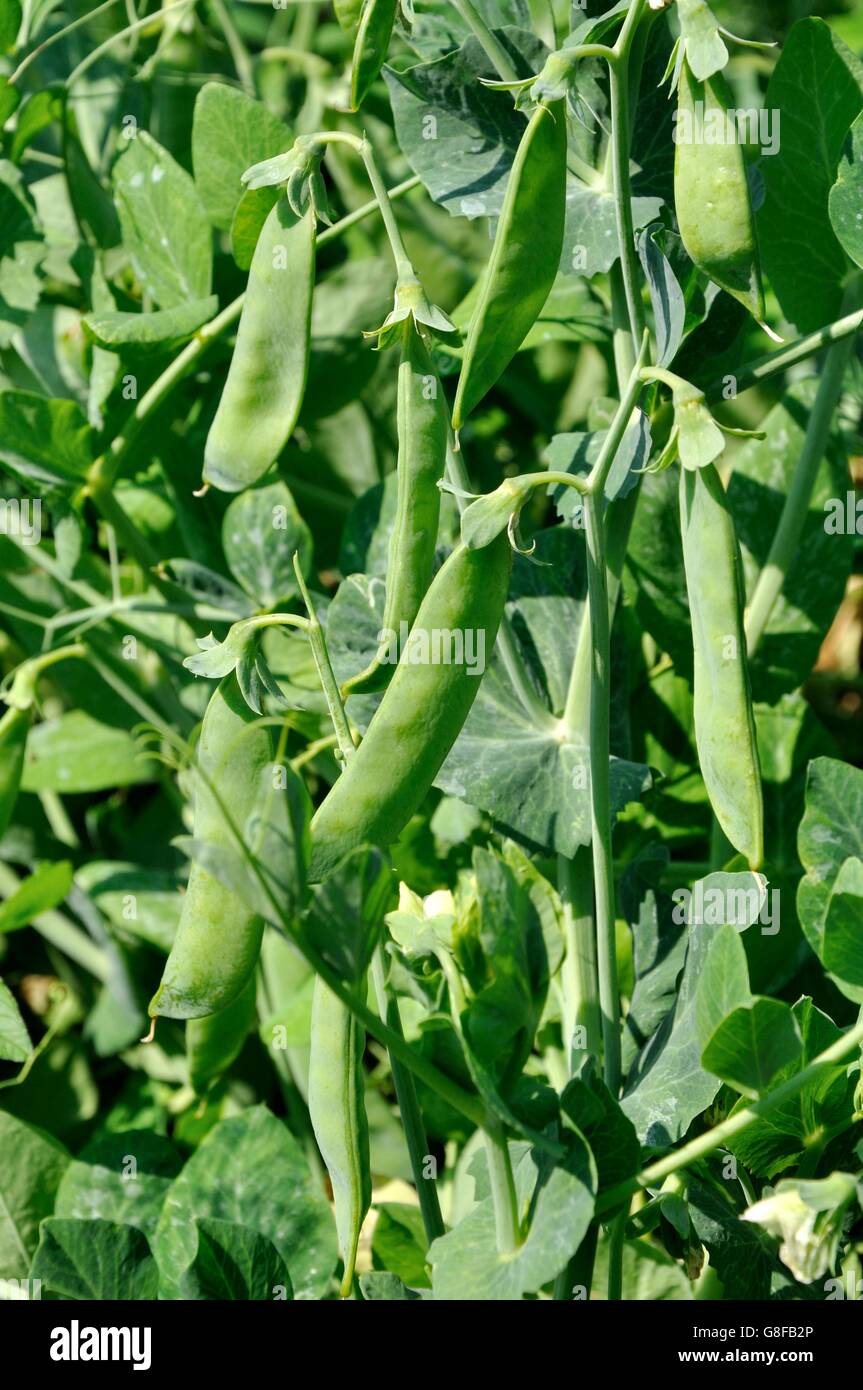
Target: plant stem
[(317, 642), (491, 45), (616, 1235), (503, 1194), (409, 1110), (772, 363), (619, 80), (600, 798), (728, 1129), (105, 47), (786, 540), (55, 38), (239, 53), (578, 975)]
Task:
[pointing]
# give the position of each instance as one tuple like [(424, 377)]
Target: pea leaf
[(31, 1166), (230, 131), (751, 1045), (230, 1178), (15, 1044), (47, 886), (43, 439), (805, 263), (842, 950), (261, 531), (94, 1260), (121, 1178), (830, 833), (77, 753), (846, 193), (344, 919), (161, 331), (165, 227), (234, 1263)]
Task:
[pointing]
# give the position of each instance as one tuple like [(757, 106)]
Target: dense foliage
[(430, 797)]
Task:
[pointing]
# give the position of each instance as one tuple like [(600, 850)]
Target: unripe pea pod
[(214, 1043), (370, 48), (14, 727), (711, 193), (422, 711), (218, 939), (422, 432), (524, 260), (724, 722), (266, 380), (338, 1115)]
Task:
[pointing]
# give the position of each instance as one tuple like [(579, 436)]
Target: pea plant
[(431, 796)]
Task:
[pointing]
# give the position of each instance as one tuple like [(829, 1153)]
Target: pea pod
[(724, 724), (218, 939), (214, 1043), (14, 727), (267, 377), (423, 708), (370, 48), (711, 192), (524, 260), (422, 434), (338, 1114)]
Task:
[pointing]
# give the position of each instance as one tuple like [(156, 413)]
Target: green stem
[(579, 983), (105, 47), (317, 642), (503, 1194), (620, 423), (56, 37), (491, 45), (239, 53), (409, 1110), (619, 80), (616, 1235), (786, 540), (600, 797), (772, 363), (728, 1129)]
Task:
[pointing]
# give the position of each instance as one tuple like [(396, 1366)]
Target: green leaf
[(739, 1251), (46, 887), (165, 227), (40, 109), (94, 1260), (31, 1166), (122, 1178), (846, 194), (10, 23), (380, 1287), (44, 439), (161, 331), (830, 832), (466, 1264), (261, 531), (231, 1177), (399, 1244), (724, 985), (751, 1045), (250, 215), (15, 1044), (346, 913), (817, 75), (842, 950), (778, 1140), (234, 1263), (230, 131), (648, 1274), (75, 753)]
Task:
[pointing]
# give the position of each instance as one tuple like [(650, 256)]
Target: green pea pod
[(524, 258), (724, 724), (267, 377), (338, 1115), (14, 727), (711, 192), (423, 708), (218, 939), (370, 49), (348, 14), (214, 1043), (422, 431)]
